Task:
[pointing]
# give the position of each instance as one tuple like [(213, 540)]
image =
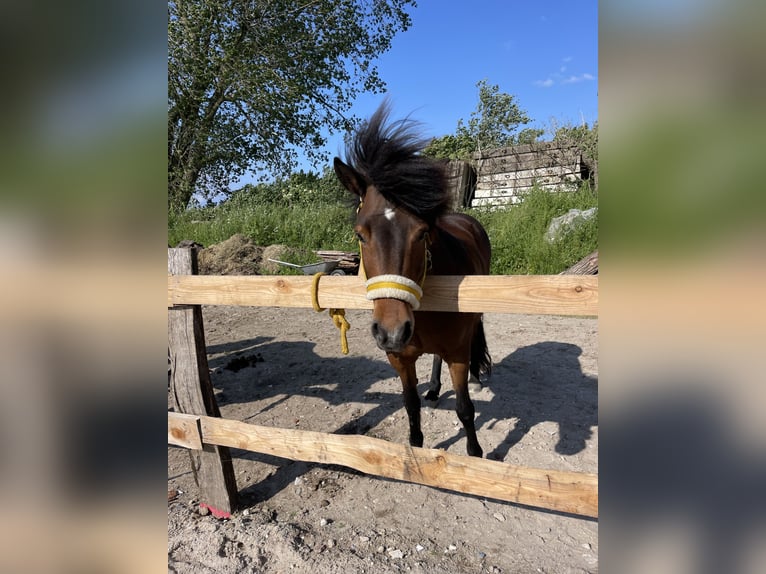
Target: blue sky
[(543, 52)]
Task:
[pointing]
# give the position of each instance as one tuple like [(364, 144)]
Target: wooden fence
[(196, 422)]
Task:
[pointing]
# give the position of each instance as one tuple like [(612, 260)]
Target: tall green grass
[(310, 227), (516, 232)]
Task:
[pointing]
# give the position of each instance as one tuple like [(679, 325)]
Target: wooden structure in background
[(505, 174), (461, 182)]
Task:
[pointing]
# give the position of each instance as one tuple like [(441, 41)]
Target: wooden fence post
[(461, 181), (192, 392)]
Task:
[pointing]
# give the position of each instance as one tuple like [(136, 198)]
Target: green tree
[(251, 81), (529, 135), (586, 139), (492, 125)]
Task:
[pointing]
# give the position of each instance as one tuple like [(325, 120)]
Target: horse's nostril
[(377, 332), (406, 331)]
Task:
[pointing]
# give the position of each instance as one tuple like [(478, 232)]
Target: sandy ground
[(538, 409)]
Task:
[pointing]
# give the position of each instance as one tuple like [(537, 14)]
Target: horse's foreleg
[(409, 379), (464, 407), (435, 384)]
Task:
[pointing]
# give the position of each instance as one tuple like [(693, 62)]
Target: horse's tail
[(481, 361)]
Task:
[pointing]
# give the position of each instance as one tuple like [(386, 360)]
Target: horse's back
[(467, 249)]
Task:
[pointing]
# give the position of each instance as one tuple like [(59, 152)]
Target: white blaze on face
[(389, 214)]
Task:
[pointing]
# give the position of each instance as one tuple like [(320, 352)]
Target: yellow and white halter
[(389, 286)]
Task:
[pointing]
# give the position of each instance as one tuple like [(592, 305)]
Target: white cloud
[(560, 78), (578, 79)]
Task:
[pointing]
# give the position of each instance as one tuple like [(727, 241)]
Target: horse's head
[(393, 246)]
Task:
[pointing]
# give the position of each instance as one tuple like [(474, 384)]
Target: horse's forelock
[(388, 154)]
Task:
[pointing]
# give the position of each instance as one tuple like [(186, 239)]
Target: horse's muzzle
[(394, 340)]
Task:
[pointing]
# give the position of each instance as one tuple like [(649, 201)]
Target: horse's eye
[(359, 237)]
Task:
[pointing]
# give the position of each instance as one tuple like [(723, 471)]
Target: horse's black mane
[(387, 154)]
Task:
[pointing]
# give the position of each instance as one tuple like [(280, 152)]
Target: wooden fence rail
[(533, 294), (572, 492)]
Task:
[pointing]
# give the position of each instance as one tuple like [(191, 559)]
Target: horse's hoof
[(417, 441), (431, 398)]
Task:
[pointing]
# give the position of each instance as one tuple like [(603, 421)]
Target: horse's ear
[(351, 179)]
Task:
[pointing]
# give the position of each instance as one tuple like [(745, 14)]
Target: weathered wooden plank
[(535, 294), (506, 190), (461, 179), (567, 183), (513, 195), (571, 492), (341, 255), (529, 161), (505, 194), (192, 391), (537, 147), (588, 265), (184, 430), (559, 171), (348, 261), (499, 201), (563, 182)]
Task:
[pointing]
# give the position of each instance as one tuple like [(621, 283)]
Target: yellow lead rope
[(338, 315)]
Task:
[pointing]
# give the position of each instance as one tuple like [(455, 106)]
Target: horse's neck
[(447, 252), (456, 249)]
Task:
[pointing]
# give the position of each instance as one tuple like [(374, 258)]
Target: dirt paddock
[(284, 368)]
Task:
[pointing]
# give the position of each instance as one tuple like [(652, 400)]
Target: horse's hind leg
[(407, 374), (435, 384), (474, 384), (464, 407)]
